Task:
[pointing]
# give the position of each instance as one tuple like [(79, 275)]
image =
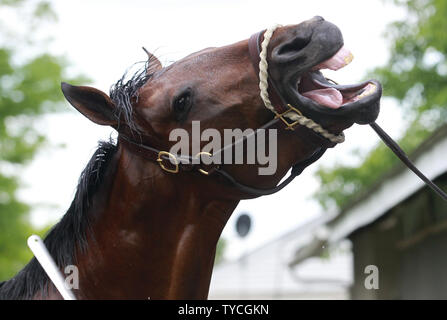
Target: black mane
[(125, 92), (66, 236), (70, 233)]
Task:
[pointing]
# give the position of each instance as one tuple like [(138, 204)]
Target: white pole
[(42, 255)]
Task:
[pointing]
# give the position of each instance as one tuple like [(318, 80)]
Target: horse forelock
[(125, 91)]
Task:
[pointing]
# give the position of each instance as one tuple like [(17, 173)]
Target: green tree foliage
[(415, 75), (29, 87), (220, 250)]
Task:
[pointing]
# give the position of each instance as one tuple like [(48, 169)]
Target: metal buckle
[(172, 157), (198, 156), (289, 126)]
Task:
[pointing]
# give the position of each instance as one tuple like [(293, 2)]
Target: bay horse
[(144, 225)]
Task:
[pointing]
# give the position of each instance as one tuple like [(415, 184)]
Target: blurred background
[(357, 207)]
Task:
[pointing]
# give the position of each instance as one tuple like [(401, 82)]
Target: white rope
[(293, 116), (263, 68)]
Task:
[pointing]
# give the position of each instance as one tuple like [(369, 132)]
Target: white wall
[(264, 273)]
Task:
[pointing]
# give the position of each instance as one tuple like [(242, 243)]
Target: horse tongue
[(329, 97), (342, 58)]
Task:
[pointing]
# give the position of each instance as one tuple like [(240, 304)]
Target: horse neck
[(155, 235)]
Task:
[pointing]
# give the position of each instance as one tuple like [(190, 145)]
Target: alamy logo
[(372, 280), (255, 146), (72, 279)]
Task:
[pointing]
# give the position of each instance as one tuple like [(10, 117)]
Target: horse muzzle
[(296, 57)]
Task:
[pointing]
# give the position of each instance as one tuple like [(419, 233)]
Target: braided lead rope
[(263, 68), (263, 86)]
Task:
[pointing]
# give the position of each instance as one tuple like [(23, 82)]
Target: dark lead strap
[(404, 158)]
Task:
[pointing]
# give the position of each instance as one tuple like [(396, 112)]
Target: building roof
[(395, 186), (264, 273)]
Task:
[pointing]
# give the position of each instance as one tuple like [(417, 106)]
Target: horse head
[(219, 87)]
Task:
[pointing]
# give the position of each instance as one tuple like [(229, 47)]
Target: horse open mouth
[(313, 86), (324, 95)]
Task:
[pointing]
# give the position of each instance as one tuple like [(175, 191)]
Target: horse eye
[(182, 104)]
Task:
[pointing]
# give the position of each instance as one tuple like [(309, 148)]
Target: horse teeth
[(369, 91), (348, 59)]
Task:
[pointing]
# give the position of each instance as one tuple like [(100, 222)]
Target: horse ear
[(92, 103), (154, 63)]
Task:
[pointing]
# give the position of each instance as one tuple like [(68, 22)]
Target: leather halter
[(174, 163), (255, 52)]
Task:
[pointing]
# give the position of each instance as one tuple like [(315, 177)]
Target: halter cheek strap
[(174, 164)]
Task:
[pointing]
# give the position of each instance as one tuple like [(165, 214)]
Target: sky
[(102, 38)]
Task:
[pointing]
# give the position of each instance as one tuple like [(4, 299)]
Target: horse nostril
[(292, 47)]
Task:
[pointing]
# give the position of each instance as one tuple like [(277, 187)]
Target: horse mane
[(66, 236), (125, 92), (70, 233)]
